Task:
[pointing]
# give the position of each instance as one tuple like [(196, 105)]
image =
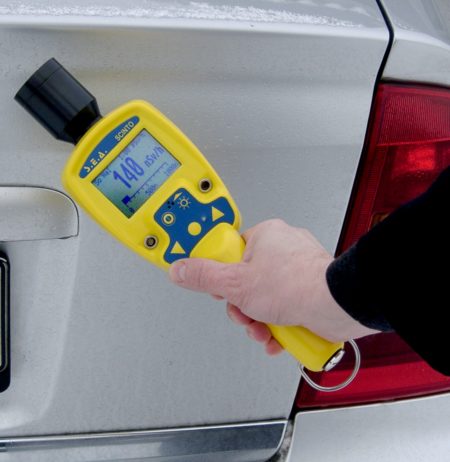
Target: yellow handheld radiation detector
[(141, 179), (146, 183)]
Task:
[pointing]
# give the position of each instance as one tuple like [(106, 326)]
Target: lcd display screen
[(136, 173)]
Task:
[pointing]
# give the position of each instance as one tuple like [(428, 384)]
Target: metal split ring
[(340, 386)]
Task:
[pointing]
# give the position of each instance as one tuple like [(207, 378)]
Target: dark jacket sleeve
[(397, 276)]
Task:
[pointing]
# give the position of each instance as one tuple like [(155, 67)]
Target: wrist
[(329, 319)]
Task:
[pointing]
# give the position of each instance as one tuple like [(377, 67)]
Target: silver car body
[(411, 430), (109, 360)]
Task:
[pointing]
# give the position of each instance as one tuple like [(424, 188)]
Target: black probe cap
[(59, 102)]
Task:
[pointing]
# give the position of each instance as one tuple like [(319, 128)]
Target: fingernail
[(178, 272)]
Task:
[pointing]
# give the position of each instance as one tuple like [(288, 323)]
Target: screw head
[(151, 242), (205, 185)]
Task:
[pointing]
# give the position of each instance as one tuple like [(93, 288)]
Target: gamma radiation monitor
[(146, 183)]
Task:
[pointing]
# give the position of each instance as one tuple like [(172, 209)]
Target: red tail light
[(407, 146)]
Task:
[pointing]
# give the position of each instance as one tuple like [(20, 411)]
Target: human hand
[(280, 280)]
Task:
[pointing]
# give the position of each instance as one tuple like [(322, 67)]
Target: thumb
[(203, 275)]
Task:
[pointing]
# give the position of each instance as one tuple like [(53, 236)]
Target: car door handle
[(34, 213)]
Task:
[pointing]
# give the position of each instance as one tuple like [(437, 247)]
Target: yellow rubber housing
[(133, 231), (309, 349), (223, 243)]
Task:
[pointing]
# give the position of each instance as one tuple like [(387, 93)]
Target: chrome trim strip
[(254, 441)]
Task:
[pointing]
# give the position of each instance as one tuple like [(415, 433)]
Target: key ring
[(342, 385)]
